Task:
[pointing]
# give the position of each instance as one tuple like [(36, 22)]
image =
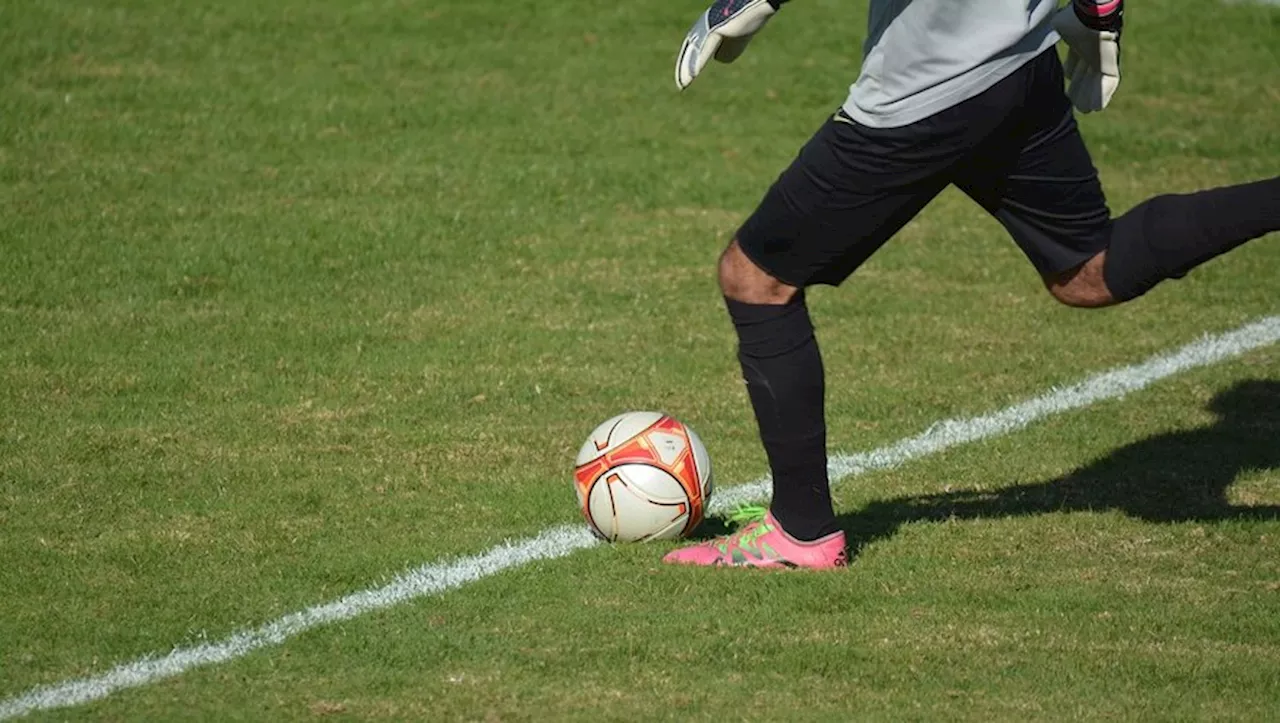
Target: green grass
[(296, 295)]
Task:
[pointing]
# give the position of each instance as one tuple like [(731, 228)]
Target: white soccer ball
[(642, 476)]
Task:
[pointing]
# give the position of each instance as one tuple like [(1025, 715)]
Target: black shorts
[(1015, 149)]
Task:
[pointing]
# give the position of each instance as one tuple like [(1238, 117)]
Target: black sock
[(783, 371), (1167, 236)]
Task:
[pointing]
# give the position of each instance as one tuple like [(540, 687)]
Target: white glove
[(722, 32), (1093, 61)]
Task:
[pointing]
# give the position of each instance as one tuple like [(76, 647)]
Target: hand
[(722, 32), (1093, 60)]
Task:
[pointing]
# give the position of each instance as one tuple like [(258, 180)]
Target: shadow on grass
[(1176, 477)]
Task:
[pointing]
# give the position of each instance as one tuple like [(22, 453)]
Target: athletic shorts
[(1015, 149)]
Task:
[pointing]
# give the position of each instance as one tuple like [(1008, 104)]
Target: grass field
[(295, 296)]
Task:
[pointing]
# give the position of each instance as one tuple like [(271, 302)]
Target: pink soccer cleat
[(763, 543)]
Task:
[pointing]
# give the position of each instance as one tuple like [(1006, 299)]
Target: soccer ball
[(642, 476)]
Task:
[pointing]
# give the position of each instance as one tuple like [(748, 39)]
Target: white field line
[(434, 578)]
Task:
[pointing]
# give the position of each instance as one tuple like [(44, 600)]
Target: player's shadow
[(1175, 477)]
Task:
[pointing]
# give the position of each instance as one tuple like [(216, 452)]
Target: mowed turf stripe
[(560, 541)]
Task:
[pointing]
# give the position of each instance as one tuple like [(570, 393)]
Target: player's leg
[(820, 221), (828, 212), (1044, 189), (1167, 236), (782, 368)]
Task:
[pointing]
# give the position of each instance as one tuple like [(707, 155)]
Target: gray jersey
[(924, 56)]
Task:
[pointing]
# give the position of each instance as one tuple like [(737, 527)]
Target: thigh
[(838, 202), (1039, 181)]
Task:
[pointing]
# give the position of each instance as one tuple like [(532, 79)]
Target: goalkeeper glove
[(1091, 30), (722, 32)]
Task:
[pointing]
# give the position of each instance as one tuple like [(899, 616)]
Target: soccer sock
[(1167, 236), (782, 367)]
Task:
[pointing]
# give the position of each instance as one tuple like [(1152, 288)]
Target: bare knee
[(1082, 287), (741, 280)]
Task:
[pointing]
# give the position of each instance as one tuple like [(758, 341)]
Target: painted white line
[(560, 541), (420, 581)]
